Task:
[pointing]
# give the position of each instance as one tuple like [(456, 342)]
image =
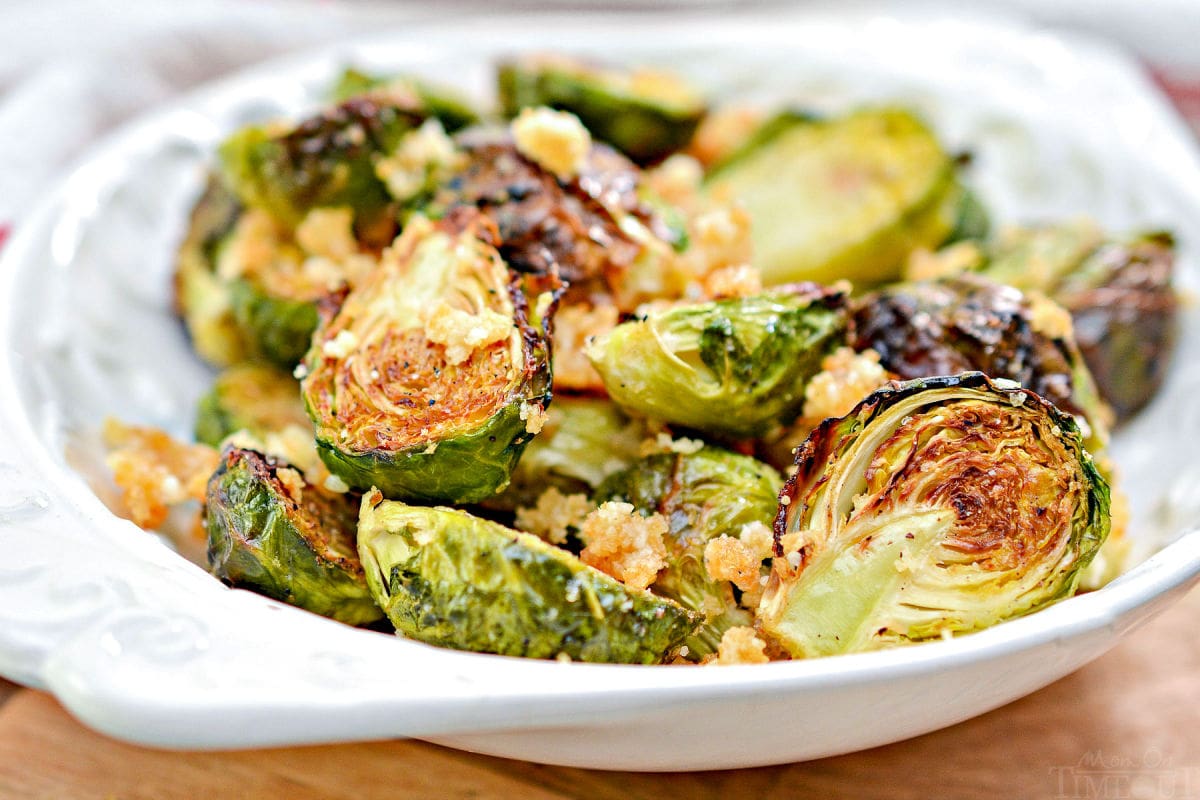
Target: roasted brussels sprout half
[(272, 532), (967, 323), (450, 579), (645, 114), (843, 197), (279, 328), (202, 298), (731, 367), (936, 507), (429, 380), (252, 397), (592, 231), (326, 160), (443, 104), (1118, 293), (702, 495), (584, 440)]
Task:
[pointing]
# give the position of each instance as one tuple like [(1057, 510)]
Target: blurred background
[(71, 69)]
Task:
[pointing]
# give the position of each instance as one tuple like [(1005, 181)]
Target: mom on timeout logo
[(1101, 776)]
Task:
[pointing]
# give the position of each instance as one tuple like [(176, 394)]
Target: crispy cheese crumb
[(759, 538), (335, 484), (554, 515), (554, 140), (740, 280), (292, 481), (1048, 317), (677, 180), (741, 645), (328, 232), (462, 333), (155, 472), (718, 237), (729, 559), (624, 544), (420, 158), (574, 327), (534, 416), (663, 443), (845, 379), (341, 345), (722, 131), (925, 265)]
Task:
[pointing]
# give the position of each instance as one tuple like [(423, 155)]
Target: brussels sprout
[(702, 495), (585, 440), (971, 220), (450, 579), (326, 160), (254, 397), (731, 367), (429, 380), (967, 323), (647, 115), (936, 507), (1118, 293), (273, 533), (591, 231), (278, 328), (444, 104), (846, 197), (201, 298)]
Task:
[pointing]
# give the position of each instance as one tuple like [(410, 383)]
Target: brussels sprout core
[(937, 507), (429, 380)]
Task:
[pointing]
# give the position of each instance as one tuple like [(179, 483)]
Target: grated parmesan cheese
[(730, 559), (624, 544), (554, 140), (741, 645), (554, 515), (462, 333)]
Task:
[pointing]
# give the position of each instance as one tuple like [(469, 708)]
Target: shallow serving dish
[(142, 644)]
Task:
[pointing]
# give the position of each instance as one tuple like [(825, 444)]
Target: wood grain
[(1137, 709)]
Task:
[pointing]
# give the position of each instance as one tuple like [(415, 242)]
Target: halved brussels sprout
[(325, 160), (592, 231), (272, 532), (443, 104), (936, 507), (585, 439), (279, 328), (844, 197), (967, 323), (702, 495), (645, 114), (1118, 293), (253, 397), (732, 367), (202, 298), (429, 380), (450, 579)]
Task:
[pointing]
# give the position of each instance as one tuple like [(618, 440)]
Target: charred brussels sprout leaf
[(702, 495), (585, 440), (251, 397), (731, 367), (429, 380), (846, 197), (444, 104), (969, 323), (202, 298), (1118, 293), (271, 532), (450, 579), (326, 160), (939, 506), (646, 115)]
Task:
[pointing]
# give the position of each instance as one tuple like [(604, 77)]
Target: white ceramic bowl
[(140, 643)]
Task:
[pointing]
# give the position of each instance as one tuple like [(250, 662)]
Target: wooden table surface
[(1126, 726)]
